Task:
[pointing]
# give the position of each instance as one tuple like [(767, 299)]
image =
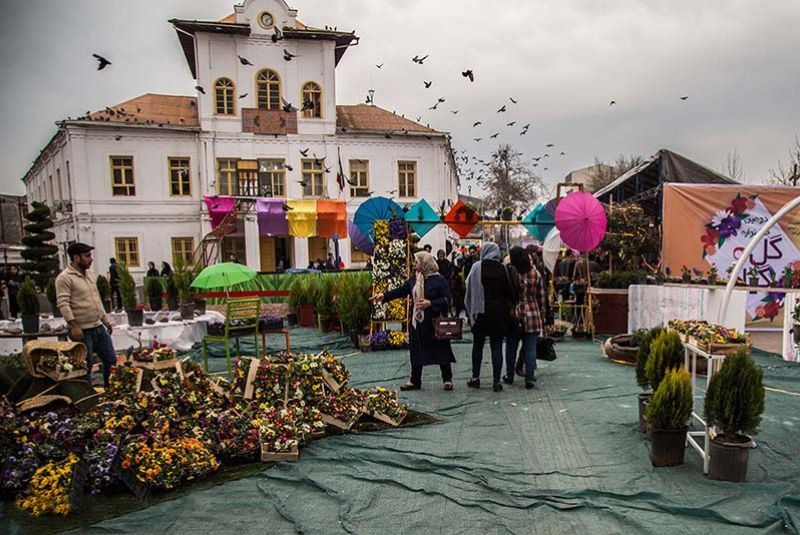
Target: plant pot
[(200, 306), (292, 319), (644, 399), (187, 311), (729, 461), (686, 279), (364, 343), (753, 281), (54, 308), (325, 325), (354, 338), (135, 317), (156, 303), (507, 216), (172, 303), (667, 446), (30, 323), (796, 332), (306, 315)]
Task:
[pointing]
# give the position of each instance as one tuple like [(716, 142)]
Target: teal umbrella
[(422, 218), (223, 275), (539, 222)]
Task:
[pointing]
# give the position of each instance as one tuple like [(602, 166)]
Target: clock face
[(266, 20)]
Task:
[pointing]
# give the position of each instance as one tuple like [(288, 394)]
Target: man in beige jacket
[(79, 302)]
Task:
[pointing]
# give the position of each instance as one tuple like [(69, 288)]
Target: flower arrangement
[(726, 223), (390, 267), (62, 363), (707, 333), (279, 431), (345, 405), (51, 488), (19, 468), (397, 339), (380, 339), (230, 434), (154, 354), (335, 367), (101, 473), (309, 423), (396, 310), (167, 464), (124, 381), (382, 401), (398, 230)]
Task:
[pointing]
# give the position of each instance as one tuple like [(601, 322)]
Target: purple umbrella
[(360, 240)]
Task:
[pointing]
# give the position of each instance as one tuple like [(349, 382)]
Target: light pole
[(371, 94)]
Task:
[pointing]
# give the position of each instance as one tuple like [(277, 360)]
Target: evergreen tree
[(40, 255)]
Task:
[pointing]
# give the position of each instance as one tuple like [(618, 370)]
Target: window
[(180, 177), (272, 178), (247, 173), (226, 176), (313, 178), (234, 245), (312, 98), (127, 251), (359, 173), (52, 197), (356, 255), (182, 248), (122, 176), (60, 188), (268, 89), (224, 95), (69, 184), (407, 174)]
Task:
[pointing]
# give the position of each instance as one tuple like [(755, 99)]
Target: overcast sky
[(563, 60)]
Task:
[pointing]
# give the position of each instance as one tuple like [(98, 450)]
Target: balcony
[(257, 121)]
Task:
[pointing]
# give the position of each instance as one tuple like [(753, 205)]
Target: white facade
[(79, 157)]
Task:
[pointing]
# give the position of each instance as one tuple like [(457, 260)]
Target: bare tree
[(787, 174), (512, 183), (604, 173), (733, 166)]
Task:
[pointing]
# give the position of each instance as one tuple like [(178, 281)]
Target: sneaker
[(498, 387)]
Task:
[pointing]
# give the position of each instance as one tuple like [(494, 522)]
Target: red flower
[(739, 205), (709, 240), (771, 309)]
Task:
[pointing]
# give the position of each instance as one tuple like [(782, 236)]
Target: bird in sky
[(117, 138), (379, 66), (440, 99), (563, 153), (527, 126), (524, 132), (287, 167), (200, 88), (427, 84), (612, 102), (350, 180), (102, 62), (454, 112), (304, 152), (478, 139), (468, 74), (685, 97), (512, 123), (287, 53), (476, 123), (419, 60), (242, 96), (303, 183), (244, 61), (434, 106), (512, 100), (287, 106), (549, 145), (327, 169), (502, 110), (494, 135)]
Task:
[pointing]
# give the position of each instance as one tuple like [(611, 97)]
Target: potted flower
[(50, 292), (104, 290), (787, 277), (734, 403), (508, 213), (773, 282), (645, 340), (155, 292), (28, 301), (305, 290), (667, 416), (172, 293), (686, 275), (712, 275), (753, 276), (127, 289)]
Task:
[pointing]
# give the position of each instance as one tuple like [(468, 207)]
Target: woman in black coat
[(431, 298)]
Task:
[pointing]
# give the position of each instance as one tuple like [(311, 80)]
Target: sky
[(562, 60)]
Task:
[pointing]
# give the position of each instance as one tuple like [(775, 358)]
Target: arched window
[(224, 94), (268, 88), (312, 100)]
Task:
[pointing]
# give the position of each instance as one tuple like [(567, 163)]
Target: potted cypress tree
[(50, 291), (182, 277), (155, 293), (667, 417), (306, 290), (127, 289), (172, 293), (294, 303), (28, 301), (353, 306), (734, 403), (104, 289), (666, 353), (324, 303), (645, 338)]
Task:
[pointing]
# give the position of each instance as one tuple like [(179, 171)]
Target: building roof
[(365, 117), (154, 109)]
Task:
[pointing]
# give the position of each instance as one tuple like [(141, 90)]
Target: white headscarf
[(428, 267)]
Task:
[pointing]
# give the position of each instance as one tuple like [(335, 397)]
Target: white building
[(130, 179)]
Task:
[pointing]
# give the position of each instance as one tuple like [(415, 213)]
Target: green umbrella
[(223, 275)]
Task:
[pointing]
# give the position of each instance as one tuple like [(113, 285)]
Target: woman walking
[(529, 317), (166, 270), (489, 301), (151, 270), (430, 293)]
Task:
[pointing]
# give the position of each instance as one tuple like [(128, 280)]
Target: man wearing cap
[(80, 305)]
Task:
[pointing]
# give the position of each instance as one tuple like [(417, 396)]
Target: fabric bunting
[(422, 218), (302, 218), (331, 219), (462, 219), (272, 217), (218, 208)]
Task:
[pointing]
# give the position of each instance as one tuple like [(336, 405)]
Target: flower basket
[(388, 420), (268, 456), (340, 424), (142, 491), (52, 352)]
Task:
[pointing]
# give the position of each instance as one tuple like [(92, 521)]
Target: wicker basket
[(34, 350)]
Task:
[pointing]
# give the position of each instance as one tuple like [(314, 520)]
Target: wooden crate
[(159, 365), (272, 457), (339, 424), (720, 349), (388, 420)]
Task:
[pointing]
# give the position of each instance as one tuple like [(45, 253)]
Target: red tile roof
[(373, 118), (151, 108)]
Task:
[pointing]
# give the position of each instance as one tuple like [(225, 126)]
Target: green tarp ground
[(562, 458)]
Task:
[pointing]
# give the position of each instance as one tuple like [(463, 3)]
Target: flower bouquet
[(62, 366), (342, 409), (56, 487), (382, 404), (278, 432), (154, 358)]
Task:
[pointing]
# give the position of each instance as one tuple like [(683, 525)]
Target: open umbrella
[(372, 210), (223, 275), (581, 220), (539, 222), (359, 239), (550, 249)]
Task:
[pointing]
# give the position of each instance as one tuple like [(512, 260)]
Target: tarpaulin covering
[(302, 218), (422, 218), (461, 218), (564, 457), (272, 217), (218, 208), (331, 219)]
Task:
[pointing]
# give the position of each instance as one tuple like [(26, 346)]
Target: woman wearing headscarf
[(489, 302), (430, 293), (166, 270), (530, 318)]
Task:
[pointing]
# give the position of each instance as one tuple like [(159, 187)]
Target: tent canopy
[(642, 184)]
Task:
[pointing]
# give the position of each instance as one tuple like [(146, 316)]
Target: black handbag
[(447, 328), (545, 349)]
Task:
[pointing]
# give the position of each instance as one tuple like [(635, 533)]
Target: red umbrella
[(581, 220)]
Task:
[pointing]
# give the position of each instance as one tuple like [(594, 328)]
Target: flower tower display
[(390, 271)]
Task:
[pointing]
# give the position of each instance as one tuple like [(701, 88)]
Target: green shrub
[(103, 288), (735, 397), (666, 353), (154, 287), (303, 291), (671, 405), (28, 298), (127, 288), (352, 300), (324, 297), (182, 277), (645, 339)]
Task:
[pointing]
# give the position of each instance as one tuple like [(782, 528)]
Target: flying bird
[(512, 123), (476, 123), (287, 106), (503, 109), (287, 53), (612, 102), (468, 74), (478, 139), (563, 153), (454, 112), (351, 181), (200, 88), (494, 135), (304, 152), (549, 145), (527, 126), (277, 36), (286, 207), (102, 62), (440, 99), (117, 138), (327, 169), (685, 97), (434, 106), (524, 131), (303, 183), (379, 66), (427, 84), (242, 96), (287, 167), (420, 60), (244, 61), (512, 100)]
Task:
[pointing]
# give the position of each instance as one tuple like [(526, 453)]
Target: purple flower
[(397, 229), (729, 226), (380, 338)]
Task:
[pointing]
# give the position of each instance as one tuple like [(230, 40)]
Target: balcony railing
[(257, 121)]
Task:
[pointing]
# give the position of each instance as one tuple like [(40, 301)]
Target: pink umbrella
[(581, 220)]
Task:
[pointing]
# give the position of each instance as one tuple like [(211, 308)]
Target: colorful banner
[(218, 208), (271, 215), (710, 225)]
